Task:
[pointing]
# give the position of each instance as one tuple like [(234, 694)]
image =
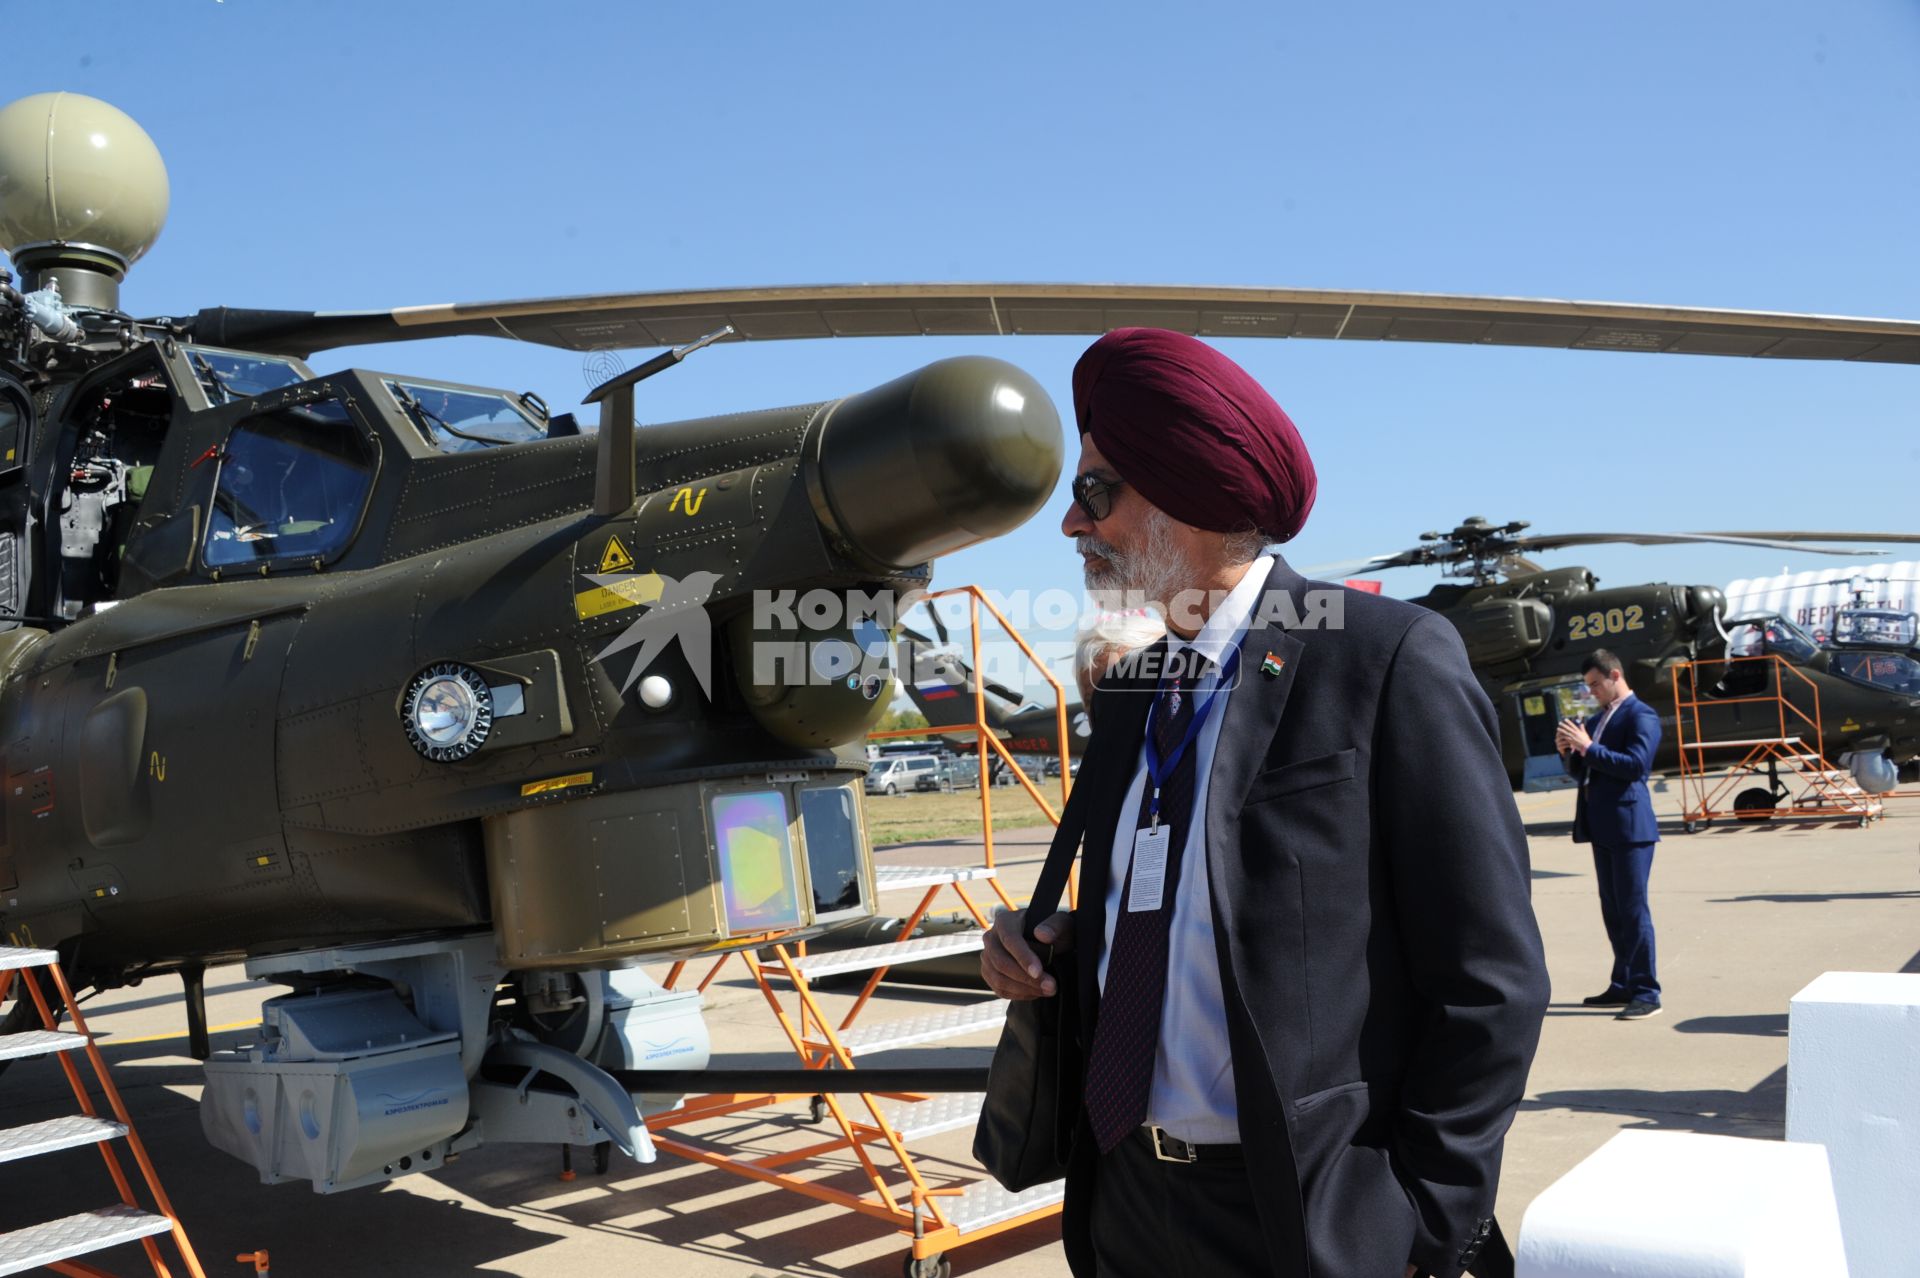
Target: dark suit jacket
[(1383, 974), (1614, 807)]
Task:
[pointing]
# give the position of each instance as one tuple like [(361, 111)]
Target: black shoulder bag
[(1033, 1085)]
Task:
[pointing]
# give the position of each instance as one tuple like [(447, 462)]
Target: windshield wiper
[(203, 365), (426, 415)]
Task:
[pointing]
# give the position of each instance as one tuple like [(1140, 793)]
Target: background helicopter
[(1527, 629), (942, 689), (327, 672)]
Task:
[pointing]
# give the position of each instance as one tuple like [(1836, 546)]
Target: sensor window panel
[(831, 832), (757, 879)]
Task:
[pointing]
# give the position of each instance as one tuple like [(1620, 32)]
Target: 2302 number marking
[(1613, 621)]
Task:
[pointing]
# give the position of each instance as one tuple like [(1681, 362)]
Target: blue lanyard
[(1157, 770)]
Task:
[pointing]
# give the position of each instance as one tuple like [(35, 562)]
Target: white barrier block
[(1853, 1085), (1679, 1205)]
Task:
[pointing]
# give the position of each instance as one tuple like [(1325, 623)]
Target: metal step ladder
[(942, 1218), (936, 1219), (56, 1243)]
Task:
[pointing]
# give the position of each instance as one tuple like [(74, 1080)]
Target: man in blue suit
[(1611, 755)]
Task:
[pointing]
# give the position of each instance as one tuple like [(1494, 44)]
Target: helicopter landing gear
[(1755, 804), (602, 1159), (934, 1266), (816, 1110)]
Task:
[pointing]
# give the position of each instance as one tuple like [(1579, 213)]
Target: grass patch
[(918, 818)]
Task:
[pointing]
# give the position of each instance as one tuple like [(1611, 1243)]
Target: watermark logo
[(679, 613), (855, 638)]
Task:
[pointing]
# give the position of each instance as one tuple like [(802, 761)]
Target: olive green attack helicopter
[(1528, 629), (449, 714)]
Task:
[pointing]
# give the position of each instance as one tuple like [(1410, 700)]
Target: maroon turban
[(1193, 433)]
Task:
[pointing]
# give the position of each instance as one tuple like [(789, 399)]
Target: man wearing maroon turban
[(1304, 972)]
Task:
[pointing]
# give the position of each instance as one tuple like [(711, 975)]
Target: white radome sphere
[(76, 171)]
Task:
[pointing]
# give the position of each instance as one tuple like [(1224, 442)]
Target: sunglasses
[(1095, 495)]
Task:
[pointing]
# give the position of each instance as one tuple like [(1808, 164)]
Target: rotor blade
[(916, 636), (1371, 564), (1560, 540), (1870, 538), (614, 321)]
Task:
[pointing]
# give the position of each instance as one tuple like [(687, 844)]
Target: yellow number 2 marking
[(1576, 627), (1634, 615)]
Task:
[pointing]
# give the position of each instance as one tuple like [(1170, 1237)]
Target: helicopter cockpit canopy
[(1875, 628), (229, 375), (458, 419), (292, 482), (1772, 634), (1892, 671)]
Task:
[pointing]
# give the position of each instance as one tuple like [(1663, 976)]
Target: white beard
[(1148, 577)]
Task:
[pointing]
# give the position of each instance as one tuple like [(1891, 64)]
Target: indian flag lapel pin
[(1272, 666)]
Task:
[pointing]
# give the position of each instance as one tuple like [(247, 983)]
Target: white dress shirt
[(1606, 717), (1192, 1095)]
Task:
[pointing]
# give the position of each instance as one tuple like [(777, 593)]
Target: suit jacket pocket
[(1308, 774), (1360, 1218)]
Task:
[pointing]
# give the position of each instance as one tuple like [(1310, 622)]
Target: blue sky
[(1737, 154)]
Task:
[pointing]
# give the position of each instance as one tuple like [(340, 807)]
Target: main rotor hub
[(1476, 549), (83, 195)]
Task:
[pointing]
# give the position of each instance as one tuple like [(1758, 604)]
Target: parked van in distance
[(897, 773)]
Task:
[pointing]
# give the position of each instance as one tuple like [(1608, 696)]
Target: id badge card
[(1149, 868)]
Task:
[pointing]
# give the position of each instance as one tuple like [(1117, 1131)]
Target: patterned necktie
[(1127, 1035)]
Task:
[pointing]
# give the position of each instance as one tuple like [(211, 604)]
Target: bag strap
[(1053, 875)]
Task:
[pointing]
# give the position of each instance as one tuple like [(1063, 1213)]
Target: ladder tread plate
[(71, 1236), (56, 1133), (928, 1027), (1750, 741), (15, 956), (38, 1043), (987, 1203), (867, 957), (891, 878), (911, 1120)]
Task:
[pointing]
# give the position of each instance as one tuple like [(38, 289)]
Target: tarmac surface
[(1745, 915)]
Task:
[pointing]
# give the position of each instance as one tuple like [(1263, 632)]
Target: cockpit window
[(458, 421), (1757, 635), (1887, 670), (291, 485), (1881, 627), (230, 375)]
